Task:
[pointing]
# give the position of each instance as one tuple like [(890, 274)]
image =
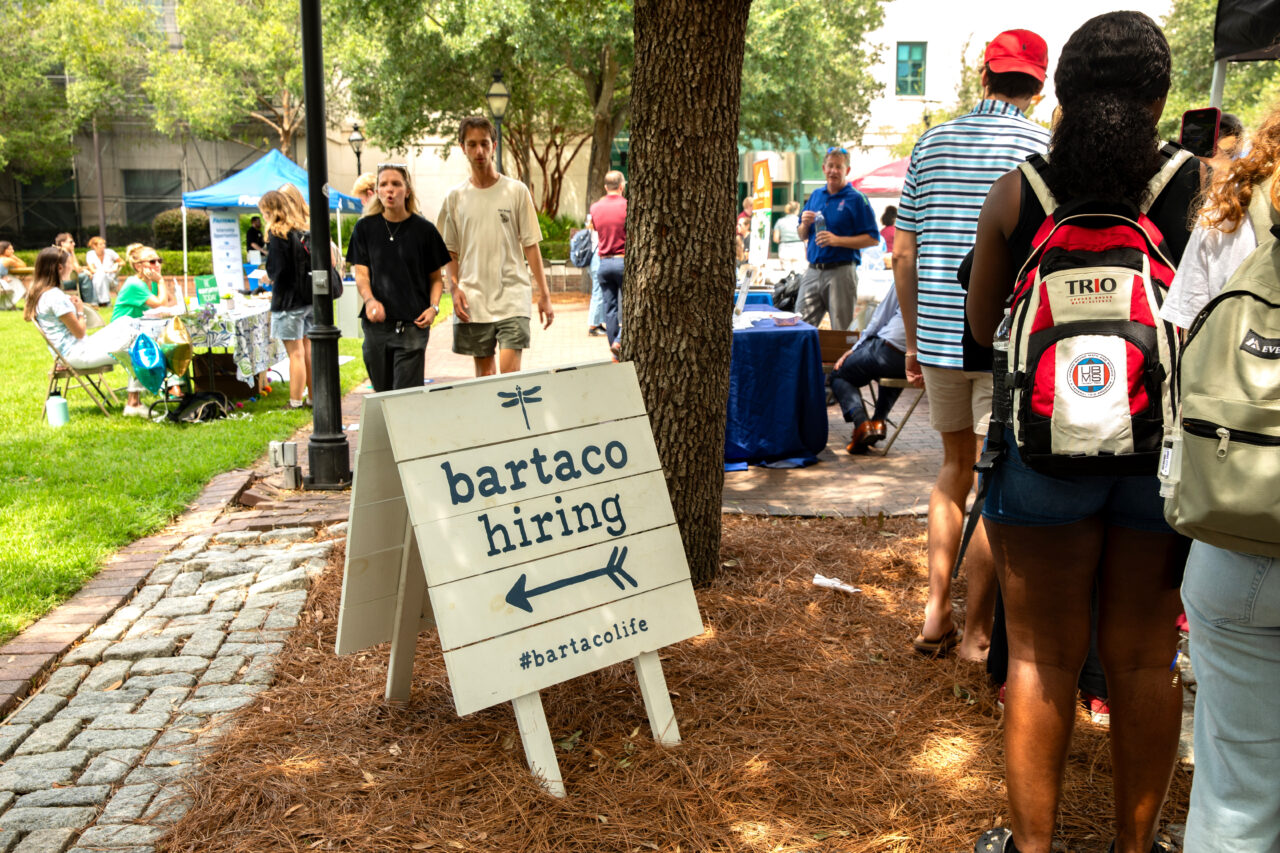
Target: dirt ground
[(808, 723)]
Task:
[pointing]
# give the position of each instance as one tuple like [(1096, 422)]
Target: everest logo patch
[(1256, 344), (1091, 375)]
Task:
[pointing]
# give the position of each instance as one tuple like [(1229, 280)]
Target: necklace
[(390, 233)]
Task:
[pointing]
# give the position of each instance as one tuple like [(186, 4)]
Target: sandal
[(998, 840), (939, 647)]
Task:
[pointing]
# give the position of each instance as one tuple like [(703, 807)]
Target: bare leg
[(509, 359), (1138, 601), (946, 524), (1046, 574), (298, 376), (306, 346), (486, 365)]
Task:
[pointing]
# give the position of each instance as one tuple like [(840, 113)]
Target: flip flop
[(939, 647)]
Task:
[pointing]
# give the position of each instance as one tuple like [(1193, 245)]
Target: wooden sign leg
[(657, 701), (413, 585), (539, 751)]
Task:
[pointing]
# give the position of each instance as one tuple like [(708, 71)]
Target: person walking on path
[(609, 220), (847, 225), (952, 167), (290, 276), (491, 230), (397, 256)]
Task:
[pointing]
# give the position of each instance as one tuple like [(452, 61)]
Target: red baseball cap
[(1018, 50)]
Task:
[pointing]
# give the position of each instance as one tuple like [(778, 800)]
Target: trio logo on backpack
[(1258, 345), (1083, 291), (1091, 375)]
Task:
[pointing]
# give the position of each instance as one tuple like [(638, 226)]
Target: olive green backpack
[(1220, 471)]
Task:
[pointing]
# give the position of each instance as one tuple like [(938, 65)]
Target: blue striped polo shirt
[(952, 167)]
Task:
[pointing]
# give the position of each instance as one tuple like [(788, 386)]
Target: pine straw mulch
[(807, 724)]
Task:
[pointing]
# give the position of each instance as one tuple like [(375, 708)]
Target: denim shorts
[(291, 325), (1022, 497)]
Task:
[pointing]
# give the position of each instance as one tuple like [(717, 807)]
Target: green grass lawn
[(74, 495)]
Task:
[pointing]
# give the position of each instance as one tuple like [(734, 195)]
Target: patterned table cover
[(244, 331)]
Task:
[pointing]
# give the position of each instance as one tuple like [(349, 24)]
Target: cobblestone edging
[(97, 756)]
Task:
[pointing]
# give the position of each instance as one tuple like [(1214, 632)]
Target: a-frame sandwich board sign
[(532, 511)]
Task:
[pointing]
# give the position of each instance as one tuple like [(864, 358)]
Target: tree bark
[(678, 289), (606, 121)]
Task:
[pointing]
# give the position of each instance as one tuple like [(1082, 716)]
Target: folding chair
[(61, 375)]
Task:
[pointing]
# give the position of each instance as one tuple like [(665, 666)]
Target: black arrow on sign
[(519, 596)]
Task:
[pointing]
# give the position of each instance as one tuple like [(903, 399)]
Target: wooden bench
[(834, 344)]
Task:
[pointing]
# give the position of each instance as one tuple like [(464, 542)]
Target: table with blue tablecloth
[(777, 413)]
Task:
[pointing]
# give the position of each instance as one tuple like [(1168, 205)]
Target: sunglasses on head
[(401, 166), (836, 149)]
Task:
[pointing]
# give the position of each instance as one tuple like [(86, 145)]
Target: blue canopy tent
[(242, 191)]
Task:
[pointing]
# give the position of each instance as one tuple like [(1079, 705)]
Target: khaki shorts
[(480, 339), (958, 399)]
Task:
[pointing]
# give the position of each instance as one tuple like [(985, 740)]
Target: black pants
[(611, 295), (395, 354)]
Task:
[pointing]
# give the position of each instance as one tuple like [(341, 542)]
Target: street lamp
[(498, 97), (356, 140)]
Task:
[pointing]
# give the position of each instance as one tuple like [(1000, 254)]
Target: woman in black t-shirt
[(1055, 538)]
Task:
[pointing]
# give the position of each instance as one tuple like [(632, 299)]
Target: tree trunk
[(606, 122), (678, 291)]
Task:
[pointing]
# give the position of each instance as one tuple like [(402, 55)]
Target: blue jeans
[(1233, 607), (595, 313), (610, 278), (873, 360)]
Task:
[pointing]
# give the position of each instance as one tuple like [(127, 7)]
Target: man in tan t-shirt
[(490, 228)]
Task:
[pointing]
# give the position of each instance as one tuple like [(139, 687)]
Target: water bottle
[(819, 223), (55, 410), (1002, 394)]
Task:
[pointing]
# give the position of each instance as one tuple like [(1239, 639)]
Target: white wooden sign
[(532, 510)]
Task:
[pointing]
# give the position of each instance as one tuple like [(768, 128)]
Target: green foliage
[(1251, 89), (35, 128), (556, 228), (102, 73), (806, 71), (569, 66), (239, 63), (55, 532), (166, 228)]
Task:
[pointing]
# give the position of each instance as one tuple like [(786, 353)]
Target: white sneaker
[(136, 412)]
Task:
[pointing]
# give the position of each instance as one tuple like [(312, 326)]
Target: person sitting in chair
[(61, 316), (880, 353)]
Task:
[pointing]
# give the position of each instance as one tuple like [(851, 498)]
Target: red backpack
[(1090, 360)]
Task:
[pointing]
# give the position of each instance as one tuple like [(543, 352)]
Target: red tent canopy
[(884, 181)]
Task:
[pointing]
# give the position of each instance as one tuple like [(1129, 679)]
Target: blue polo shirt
[(848, 214)]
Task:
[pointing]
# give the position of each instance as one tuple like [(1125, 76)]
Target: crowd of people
[(1076, 582)]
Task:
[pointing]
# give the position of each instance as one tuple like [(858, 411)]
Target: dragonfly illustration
[(520, 397)]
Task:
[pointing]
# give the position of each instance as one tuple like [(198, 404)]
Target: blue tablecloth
[(760, 297), (777, 397)]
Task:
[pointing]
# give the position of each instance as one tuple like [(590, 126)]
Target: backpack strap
[(1175, 157), (1032, 169)]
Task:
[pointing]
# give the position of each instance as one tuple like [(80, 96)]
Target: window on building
[(909, 79), (150, 191)]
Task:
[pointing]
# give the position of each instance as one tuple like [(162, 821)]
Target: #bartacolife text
[(543, 525)]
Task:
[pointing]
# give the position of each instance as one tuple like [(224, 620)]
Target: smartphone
[(1200, 131)]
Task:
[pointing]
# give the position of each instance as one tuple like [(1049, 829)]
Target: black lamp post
[(356, 140), (327, 450), (498, 97)]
